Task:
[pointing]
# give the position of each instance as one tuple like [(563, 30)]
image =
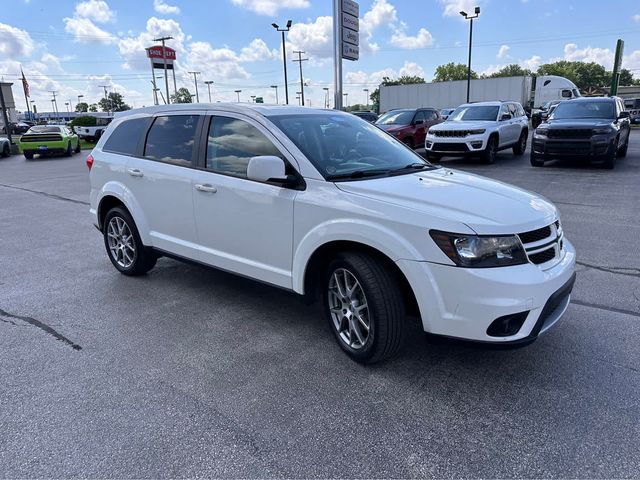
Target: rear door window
[(127, 136), (172, 139)]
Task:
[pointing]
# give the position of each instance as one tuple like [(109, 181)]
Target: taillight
[(90, 161)]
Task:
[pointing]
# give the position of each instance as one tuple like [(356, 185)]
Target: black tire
[(610, 159), (409, 142), (28, 155), (535, 161), (385, 311), (623, 151), (77, 149), (98, 135), (144, 259), (489, 154), (6, 150), (69, 151), (521, 146)]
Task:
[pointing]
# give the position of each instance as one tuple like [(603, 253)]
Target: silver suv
[(481, 129)]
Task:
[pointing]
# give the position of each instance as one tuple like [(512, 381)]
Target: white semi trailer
[(530, 91)]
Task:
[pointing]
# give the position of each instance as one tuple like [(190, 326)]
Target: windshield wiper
[(358, 174), (413, 166)]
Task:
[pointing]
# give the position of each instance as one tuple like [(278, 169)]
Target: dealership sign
[(158, 59)]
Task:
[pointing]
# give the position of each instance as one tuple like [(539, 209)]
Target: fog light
[(507, 325), (429, 144), (476, 144)]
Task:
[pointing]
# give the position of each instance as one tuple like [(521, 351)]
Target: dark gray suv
[(589, 128)]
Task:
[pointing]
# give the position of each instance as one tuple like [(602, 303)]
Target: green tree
[(513, 70), (452, 71), (403, 80), (84, 121), (182, 95), (113, 103), (93, 107), (583, 74), (82, 107), (626, 78)]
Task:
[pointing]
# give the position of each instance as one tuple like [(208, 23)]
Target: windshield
[(397, 117), (342, 146), (477, 113), (581, 109), (44, 129)]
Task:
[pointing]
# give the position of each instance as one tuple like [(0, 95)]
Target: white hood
[(451, 125), (486, 206)]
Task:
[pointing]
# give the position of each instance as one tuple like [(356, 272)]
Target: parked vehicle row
[(325, 205), (49, 140), (409, 125)]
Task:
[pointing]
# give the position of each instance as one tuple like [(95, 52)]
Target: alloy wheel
[(121, 242), (349, 308)]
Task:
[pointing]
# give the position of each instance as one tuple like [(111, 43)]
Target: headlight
[(476, 132), (541, 131), (602, 130), (480, 251)]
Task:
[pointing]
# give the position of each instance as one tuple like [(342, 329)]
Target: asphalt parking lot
[(190, 372)]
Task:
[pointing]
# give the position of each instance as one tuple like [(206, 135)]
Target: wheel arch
[(113, 195)]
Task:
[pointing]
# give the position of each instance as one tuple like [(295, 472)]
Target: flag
[(25, 84)]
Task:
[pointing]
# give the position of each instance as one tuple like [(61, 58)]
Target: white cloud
[(164, 8), (452, 8), (132, 49), (96, 10), (257, 50), (86, 31), (401, 40), (603, 56), (636, 18), (314, 38), (270, 7), (14, 42), (531, 63), (503, 52), (219, 63)]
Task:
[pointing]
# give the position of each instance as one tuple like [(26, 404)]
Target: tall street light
[(238, 93), (326, 97), (195, 81), (470, 18), (346, 99), (276, 87), (253, 98), (298, 97), (208, 83), (366, 98), (284, 57)]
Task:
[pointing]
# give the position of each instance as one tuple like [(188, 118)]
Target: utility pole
[(470, 17), (208, 83), (106, 97), (284, 57), (366, 91), (195, 80), (276, 87), (300, 60), (164, 60), (238, 93), (54, 104)]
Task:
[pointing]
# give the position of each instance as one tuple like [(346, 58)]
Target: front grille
[(450, 133), (450, 147), (41, 138), (543, 244), (569, 133)]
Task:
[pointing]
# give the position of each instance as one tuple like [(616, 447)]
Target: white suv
[(322, 202), (482, 129)]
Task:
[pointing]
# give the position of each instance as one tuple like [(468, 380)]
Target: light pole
[(366, 98), (284, 57), (209, 83), (253, 99), (68, 111), (34, 108), (470, 18), (79, 97), (326, 97), (346, 99), (300, 60), (298, 97), (195, 80), (238, 93), (276, 87)]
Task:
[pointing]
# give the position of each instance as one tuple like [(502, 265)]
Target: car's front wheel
[(364, 307), (491, 151), (535, 161), (124, 246), (6, 150)]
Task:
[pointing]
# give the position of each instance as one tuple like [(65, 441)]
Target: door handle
[(135, 172), (206, 187)]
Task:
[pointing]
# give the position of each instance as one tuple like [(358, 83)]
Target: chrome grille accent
[(451, 133), (544, 244)]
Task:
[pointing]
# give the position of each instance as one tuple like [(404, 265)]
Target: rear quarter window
[(127, 136)]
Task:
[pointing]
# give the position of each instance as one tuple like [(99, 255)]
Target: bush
[(84, 121)]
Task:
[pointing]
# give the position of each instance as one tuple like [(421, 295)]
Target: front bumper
[(463, 302), (467, 145), (594, 147)]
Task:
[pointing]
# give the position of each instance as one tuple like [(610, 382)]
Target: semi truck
[(530, 91)]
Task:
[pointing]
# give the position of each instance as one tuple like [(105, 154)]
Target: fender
[(361, 231), (122, 193)]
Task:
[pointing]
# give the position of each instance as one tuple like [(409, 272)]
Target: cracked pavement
[(190, 372)]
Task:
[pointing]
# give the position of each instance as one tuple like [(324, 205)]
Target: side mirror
[(623, 115), (269, 168), (505, 116), (418, 122)]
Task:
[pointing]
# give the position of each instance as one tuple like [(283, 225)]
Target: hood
[(578, 122), (391, 127), (486, 206), (450, 125)]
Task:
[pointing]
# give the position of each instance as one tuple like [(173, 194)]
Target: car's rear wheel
[(69, 151), (491, 151), (28, 155), (521, 146), (77, 149), (124, 246), (6, 150), (364, 307)]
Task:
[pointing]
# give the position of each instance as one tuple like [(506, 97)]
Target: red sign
[(156, 52)]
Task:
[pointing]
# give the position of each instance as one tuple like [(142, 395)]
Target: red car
[(409, 125)]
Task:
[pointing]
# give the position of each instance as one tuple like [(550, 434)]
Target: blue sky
[(74, 47)]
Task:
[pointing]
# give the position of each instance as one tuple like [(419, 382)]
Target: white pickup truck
[(93, 134)]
